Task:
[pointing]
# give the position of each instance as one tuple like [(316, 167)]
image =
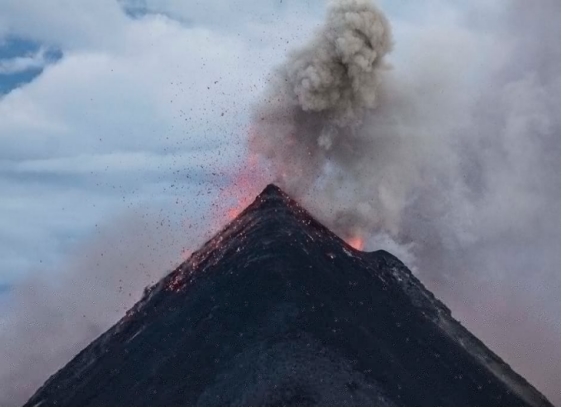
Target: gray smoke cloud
[(450, 159), (322, 92)]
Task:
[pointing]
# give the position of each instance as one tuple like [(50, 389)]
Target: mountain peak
[(278, 310), (272, 190)]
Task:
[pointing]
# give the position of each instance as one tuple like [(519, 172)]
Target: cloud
[(66, 24), (25, 63), (154, 104)]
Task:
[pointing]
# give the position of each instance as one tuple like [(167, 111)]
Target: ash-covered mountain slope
[(277, 310)]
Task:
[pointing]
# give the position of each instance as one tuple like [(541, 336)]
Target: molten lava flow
[(356, 242)]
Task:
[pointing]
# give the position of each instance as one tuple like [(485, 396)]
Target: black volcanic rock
[(277, 310)]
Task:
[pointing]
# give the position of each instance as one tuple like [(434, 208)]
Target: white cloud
[(133, 106), (65, 24), (25, 63)]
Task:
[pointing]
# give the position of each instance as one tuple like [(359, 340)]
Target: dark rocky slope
[(277, 310)]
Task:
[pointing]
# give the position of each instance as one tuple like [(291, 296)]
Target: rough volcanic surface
[(277, 310)]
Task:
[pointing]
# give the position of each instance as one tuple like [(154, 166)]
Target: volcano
[(278, 310)]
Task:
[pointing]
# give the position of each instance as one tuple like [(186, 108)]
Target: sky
[(122, 121)]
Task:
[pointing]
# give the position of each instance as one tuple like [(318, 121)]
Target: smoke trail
[(451, 157)]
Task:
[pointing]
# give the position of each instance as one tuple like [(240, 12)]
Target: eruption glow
[(356, 242), (243, 188)]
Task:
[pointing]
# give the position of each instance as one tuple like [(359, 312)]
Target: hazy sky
[(121, 121), (105, 105)]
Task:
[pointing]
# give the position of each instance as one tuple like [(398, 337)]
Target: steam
[(450, 159)]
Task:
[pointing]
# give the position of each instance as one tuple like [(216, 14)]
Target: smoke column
[(313, 112), (450, 159)]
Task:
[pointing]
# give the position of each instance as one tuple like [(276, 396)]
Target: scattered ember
[(242, 187), (250, 177), (176, 284)]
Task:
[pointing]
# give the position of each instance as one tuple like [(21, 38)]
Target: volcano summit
[(277, 310)]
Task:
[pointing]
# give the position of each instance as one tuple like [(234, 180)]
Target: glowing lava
[(356, 242)]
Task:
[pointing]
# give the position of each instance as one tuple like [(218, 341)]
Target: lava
[(356, 242)]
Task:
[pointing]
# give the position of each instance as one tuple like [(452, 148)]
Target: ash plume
[(321, 94), (450, 157)]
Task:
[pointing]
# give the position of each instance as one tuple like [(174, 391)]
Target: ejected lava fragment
[(277, 310)]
